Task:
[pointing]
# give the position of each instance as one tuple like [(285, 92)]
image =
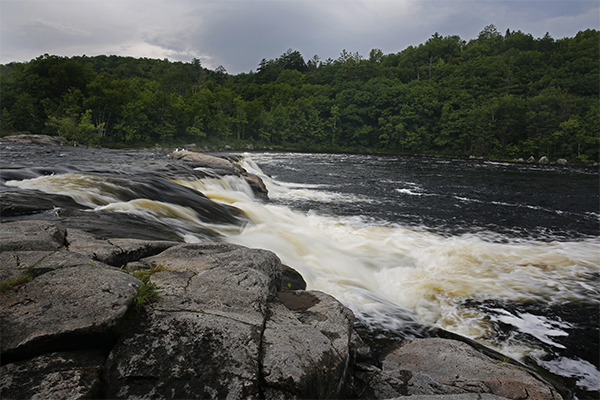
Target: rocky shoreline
[(229, 322), (193, 148), (83, 316)]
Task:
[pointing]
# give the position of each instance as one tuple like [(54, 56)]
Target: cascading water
[(405, 243)]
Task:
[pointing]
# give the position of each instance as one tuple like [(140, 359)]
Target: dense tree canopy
[(499, 95)]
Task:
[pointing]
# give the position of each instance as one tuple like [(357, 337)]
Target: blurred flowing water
[(506, 254)]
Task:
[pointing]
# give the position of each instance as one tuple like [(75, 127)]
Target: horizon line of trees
[(498, 96)]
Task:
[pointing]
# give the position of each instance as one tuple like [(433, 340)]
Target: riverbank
[(90, 317), (119, 315), (247, 146)]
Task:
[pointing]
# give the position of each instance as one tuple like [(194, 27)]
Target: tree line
[(499, 96)]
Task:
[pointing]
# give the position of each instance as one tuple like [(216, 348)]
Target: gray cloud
[(239, 33)]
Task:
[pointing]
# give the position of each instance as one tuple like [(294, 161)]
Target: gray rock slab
[(306, 347), (115, 252), (201, 340), (30, 236), (34, 139), (16, 263), (204, 160), (221, 166), (218, 331), (237, 293), (204, 256), (182, 355), (64, 308), (57, 376), (63, 259), (444, 366)]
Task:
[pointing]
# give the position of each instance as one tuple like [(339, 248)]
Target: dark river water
[(505, 254)]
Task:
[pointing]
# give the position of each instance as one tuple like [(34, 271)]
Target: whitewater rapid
[(393, 277)]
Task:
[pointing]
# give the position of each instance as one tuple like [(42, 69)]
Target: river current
[(505, 254)]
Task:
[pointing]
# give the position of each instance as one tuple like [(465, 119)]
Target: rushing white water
[(387, 273), (381, 270), (88, 190)]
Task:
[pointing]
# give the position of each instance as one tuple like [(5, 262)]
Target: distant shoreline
[(27, 138)]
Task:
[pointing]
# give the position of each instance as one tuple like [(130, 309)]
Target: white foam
[(88, 190), (586, 375), (535, 325)]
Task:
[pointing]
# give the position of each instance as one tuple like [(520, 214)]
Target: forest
[(499, 96)]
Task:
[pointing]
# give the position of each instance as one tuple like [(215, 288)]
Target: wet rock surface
[(227, 324), (222, 166)]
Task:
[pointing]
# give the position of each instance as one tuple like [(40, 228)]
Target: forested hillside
[(500, 95)]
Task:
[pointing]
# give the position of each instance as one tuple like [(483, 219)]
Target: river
[(505, 254)]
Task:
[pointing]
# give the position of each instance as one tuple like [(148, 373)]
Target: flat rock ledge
[(216, 166), (27, 138), (222, 328)]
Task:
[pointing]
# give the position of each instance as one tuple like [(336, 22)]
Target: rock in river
[(222, 166)]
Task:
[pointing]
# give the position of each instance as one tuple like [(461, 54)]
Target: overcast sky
[(238, 34)]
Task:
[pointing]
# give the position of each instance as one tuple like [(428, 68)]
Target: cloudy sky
[(239, 33)]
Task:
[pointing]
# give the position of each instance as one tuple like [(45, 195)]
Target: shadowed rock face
[(220, 329), (66, 375)]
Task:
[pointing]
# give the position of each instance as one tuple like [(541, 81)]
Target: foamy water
[(393, 276)]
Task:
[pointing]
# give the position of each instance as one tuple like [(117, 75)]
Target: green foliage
[(500, 96), (147, 291), (147, 294), (77, 128), (145, 274)]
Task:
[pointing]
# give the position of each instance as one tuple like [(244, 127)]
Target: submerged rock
[(14, 203)]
